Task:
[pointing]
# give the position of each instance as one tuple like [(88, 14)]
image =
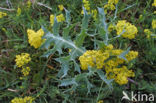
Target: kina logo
[(137, 97)]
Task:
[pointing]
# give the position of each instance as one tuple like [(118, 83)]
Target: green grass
[(43, 83)]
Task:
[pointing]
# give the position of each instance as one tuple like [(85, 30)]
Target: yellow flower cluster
[(35, 38), (111, 27), (52, 17), (154, 3), (86, 5), (101, 58), (130, 30), (22, 59), (25, 71), (147, 32), (93, 58), (60, 18), (120, 75), (100, 101), (18, 12), (131, 55), (2, 14), (94, 12), (28, 4), (61, 7), (110, 5), (154, 23), (26, 99)]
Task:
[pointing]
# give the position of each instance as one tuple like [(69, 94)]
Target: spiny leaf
[(56, 27), (100, 44), (66, 31), (123, 54), (85, 19), (103, 77), (46, 44), (63, 42), (44, 29), (68, 18), (80, 38), (103, 29), (64, 61), (64, 70), (89, 85), (67, 82), (49, 52), (77, 67)]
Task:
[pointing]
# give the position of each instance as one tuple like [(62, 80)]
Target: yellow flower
[(25, 71), (28, 4), (154, 3), (113, 63), (4, 30), (110, 5), (131, 55), (26, 99), (111, 27), (86, 5), (2, 14), (18, 12), (52, 19), (60, 7), (120, 75), (100, 101), (116, 52), (60, 18), (22, 59), (113, 1), (35, 38), (82, 12), (94, 12), (108, 59), (154, 23), (147, 32), (126, 29), (109, 47), (93, 58)]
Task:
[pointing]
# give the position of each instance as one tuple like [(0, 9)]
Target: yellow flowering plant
[(126, 30), (110, 5), (154, 23), (108, 62), (100, 59), (18, 11), (35, 38), (154, 3), (22, 61), (2, 14), (150, 33), (60, 18), (26, 99), (61, 7)]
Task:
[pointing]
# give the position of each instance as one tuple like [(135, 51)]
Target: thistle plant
[(97, 62)]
